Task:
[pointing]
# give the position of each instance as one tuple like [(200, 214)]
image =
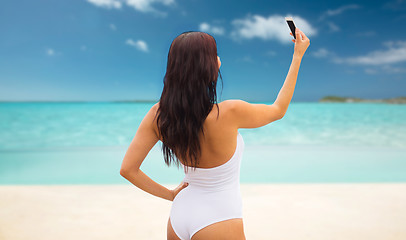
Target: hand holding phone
[(289, 21), (302, 42)]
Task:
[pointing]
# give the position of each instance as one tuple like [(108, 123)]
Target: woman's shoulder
[(154, 109), (155, 106), (229, 108), (232, 105)]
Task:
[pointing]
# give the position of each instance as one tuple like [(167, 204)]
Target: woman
[(202, 135)]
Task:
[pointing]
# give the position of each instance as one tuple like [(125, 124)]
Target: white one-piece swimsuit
[(213, 195)]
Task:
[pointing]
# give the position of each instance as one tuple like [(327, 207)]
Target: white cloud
[(205, 27), (396, 5), (106, 3), (370, 71), (146, 5), (140, 5), (112, 27), (378, 61), (50, 52), (390, 69), (322, 53), (333, 27), (339, 10), (385, 69), (140, 45), (271, 53), (272, 28), (395, 53), (245, 59)]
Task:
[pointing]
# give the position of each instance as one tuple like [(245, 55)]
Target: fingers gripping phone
[(292, 26)]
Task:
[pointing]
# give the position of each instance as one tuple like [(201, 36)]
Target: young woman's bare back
[(220, 138)]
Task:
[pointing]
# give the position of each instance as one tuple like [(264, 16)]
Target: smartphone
[(292, 26)]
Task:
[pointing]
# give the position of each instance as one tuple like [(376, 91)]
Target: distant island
[(397, 100)]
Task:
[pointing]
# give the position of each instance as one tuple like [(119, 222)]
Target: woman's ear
[(218, 60)]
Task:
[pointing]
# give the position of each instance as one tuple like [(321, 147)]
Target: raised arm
[(286, 93), (249, 115)]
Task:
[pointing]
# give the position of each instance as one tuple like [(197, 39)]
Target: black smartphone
[(292, 26)]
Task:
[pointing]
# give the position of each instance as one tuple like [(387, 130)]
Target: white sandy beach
[(271, 211)]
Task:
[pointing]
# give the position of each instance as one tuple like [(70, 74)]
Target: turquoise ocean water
[(84, 143)]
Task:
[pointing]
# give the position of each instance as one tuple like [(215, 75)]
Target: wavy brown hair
[(188, 96)]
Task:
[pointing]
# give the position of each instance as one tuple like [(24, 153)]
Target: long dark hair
[(188, 96)]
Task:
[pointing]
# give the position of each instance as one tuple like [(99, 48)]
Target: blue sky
[(102, 50)]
